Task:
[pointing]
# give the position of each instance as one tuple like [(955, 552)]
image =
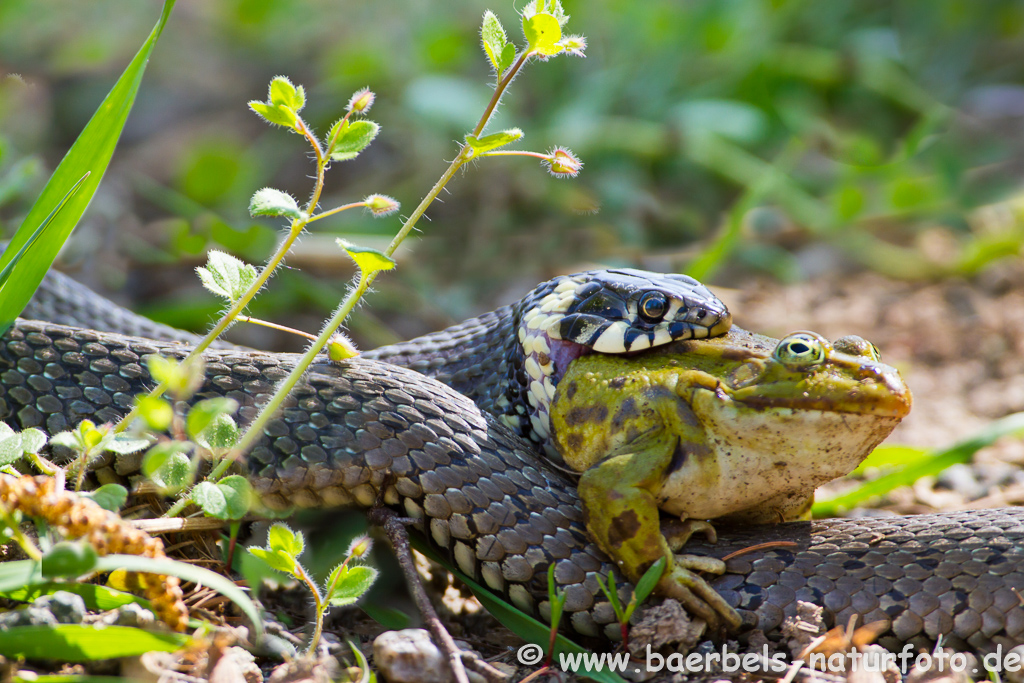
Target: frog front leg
[(621, 513)]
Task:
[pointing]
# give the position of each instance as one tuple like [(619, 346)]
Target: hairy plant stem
[(499, 90), (238, 306), (318, 601), (255, 429), (23, 541)]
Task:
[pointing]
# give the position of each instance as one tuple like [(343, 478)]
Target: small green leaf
[(493, 141), (69, 558), (278, 560), (109, 496), (542, 32), (350, 138), (32, 440), (226, 276), (271, 202), (210, 498), (494, 40), (350, 584), (238, 495), (126, 444), (220, 435), (10, 450), (508, 55), (276, 114), (167, 465), (182, 379), (283, 93), (203, 413), (648, 582), (557, 598), (281, 537), (367, 260), (156, 411), (86, 643)]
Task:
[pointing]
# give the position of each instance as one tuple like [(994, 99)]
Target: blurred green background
[(731, 138)]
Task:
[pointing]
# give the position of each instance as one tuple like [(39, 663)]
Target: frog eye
[(653, 306), (800, 350)]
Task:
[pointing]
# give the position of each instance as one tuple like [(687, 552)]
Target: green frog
[(739, 428)]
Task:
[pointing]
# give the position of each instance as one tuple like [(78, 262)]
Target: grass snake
[(363, 429)]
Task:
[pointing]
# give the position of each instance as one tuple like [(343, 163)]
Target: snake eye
[(800, 350), (653, 306)]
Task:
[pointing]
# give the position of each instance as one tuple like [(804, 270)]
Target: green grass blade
[(927, 465), (90, 154), (520, 623), (85, 643), (187, 572), (95, 597), (9, 268)]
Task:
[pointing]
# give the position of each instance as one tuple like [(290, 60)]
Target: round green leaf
[(156, 411), (238, 495), (203, 413), (542, 32), (32, 440), (109, 496), (210, 498), (271, 202), (281, 537), (351, 584)]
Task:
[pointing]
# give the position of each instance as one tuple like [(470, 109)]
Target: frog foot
[(678, 531), (695, 594)]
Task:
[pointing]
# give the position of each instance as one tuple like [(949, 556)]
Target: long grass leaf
[(90, 154), (9, 268), (188, 572), (85, 643)]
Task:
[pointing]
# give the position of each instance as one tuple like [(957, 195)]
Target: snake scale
[(363, 429)]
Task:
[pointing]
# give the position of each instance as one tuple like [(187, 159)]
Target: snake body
[(365, 430)]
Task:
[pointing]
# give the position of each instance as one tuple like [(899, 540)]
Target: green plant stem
[(318, 600), (23, 541), (229, 317), (255, 429), (339, 209), (516, 153), (275, 326), (499, 90), (238, 306)]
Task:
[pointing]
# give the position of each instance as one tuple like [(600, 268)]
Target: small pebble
[(410, 656), (67, 608)]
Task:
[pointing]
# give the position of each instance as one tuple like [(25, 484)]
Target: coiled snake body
[(363, 429)]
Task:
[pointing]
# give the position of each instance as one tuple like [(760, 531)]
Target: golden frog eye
[(800, 350), (653, 306)]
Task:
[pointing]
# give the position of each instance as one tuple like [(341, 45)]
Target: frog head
[(742, 426)]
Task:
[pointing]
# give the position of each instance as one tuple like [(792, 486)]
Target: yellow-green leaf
[(367, 260), (542, 33), (493, 141)]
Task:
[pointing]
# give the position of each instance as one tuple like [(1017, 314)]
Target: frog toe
[(678, 531), (697, 596)]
